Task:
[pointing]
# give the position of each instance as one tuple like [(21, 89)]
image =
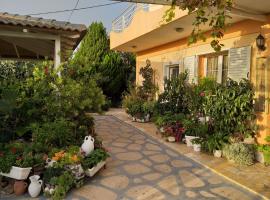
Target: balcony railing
[(124, 20)]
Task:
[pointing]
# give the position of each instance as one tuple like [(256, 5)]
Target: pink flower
[(202, 94)]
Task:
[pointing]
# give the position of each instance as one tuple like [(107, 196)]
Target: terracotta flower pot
[(20, 187)]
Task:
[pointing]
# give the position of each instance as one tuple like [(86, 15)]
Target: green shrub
[(231, 108), (175, 97), (240, 153)]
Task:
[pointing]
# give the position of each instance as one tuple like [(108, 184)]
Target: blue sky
[(103, 14)]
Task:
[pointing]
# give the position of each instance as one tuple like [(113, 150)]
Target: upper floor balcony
[(142, 27)]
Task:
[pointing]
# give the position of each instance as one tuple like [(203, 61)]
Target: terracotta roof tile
[(26, 20)]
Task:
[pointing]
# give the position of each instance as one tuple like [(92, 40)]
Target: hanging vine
[(213, 13)]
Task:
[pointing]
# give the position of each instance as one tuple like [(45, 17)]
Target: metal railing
[(124, 20)]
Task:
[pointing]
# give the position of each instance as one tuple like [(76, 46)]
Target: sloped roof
[(25, 20), (13, 46)]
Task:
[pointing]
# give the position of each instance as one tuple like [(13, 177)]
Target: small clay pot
[(20, 187)]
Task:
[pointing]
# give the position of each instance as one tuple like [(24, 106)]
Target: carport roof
[(27, 37)]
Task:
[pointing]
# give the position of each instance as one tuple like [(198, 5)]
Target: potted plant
[(263, 152), (193, 130), (197, 144), (215, 143), (94, 162), (14, 163)]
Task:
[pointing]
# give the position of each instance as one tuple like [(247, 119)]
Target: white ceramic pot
[(189, 139), (88, 145), (202, 119), (259, 156), (217, 153), (18, 173), (171, 139), (197, 147), (91, 172), (35, 186)]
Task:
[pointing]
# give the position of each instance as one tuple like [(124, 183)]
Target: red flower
[(202, 94), (13, 150), (19, 158), (1, 154), (182, 130), (46, 70)]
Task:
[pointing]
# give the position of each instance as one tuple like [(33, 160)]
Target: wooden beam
[(160, 2), (57, 52), (16, 50), (34, 47), (41, 36)]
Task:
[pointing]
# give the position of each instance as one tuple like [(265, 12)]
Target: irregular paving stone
[(190, 180), (129, 156), (202, 172), (95, 193), (230, 193), (163, 168), (147, 162), (191, 194), (137, 180), (149, 152), (152, 176), (119, 144), (116, 182), (180, 163), (108, 172), (136, 168), (170, 185), (138, 137), (214, 180), (152, 147), (207, 194), (116, 150), (134, 147), (113, 163), (159, 158), (139, 141), (171, 153), (145, 192)]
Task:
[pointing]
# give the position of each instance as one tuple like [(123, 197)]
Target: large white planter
[(18, 173), (91, 172), (189, 139), (197, 147), (217, 153)]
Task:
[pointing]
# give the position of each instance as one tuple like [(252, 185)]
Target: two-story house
[(140, 29)]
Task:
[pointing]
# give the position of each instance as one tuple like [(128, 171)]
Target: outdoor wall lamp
[(260, 42)]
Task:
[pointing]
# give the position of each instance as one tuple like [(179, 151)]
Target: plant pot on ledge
[(189, 139), (217, 153), (18, 173), (91, 172), (197, 147)]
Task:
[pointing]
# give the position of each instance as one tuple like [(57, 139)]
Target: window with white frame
[(217, 67), (171, 71)]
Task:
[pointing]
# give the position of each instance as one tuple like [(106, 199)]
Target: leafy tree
[(112, 70), (93, 48)]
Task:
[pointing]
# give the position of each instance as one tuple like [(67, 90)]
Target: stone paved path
[(142, 168)]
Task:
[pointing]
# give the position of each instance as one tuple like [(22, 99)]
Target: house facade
[(142, 30)]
